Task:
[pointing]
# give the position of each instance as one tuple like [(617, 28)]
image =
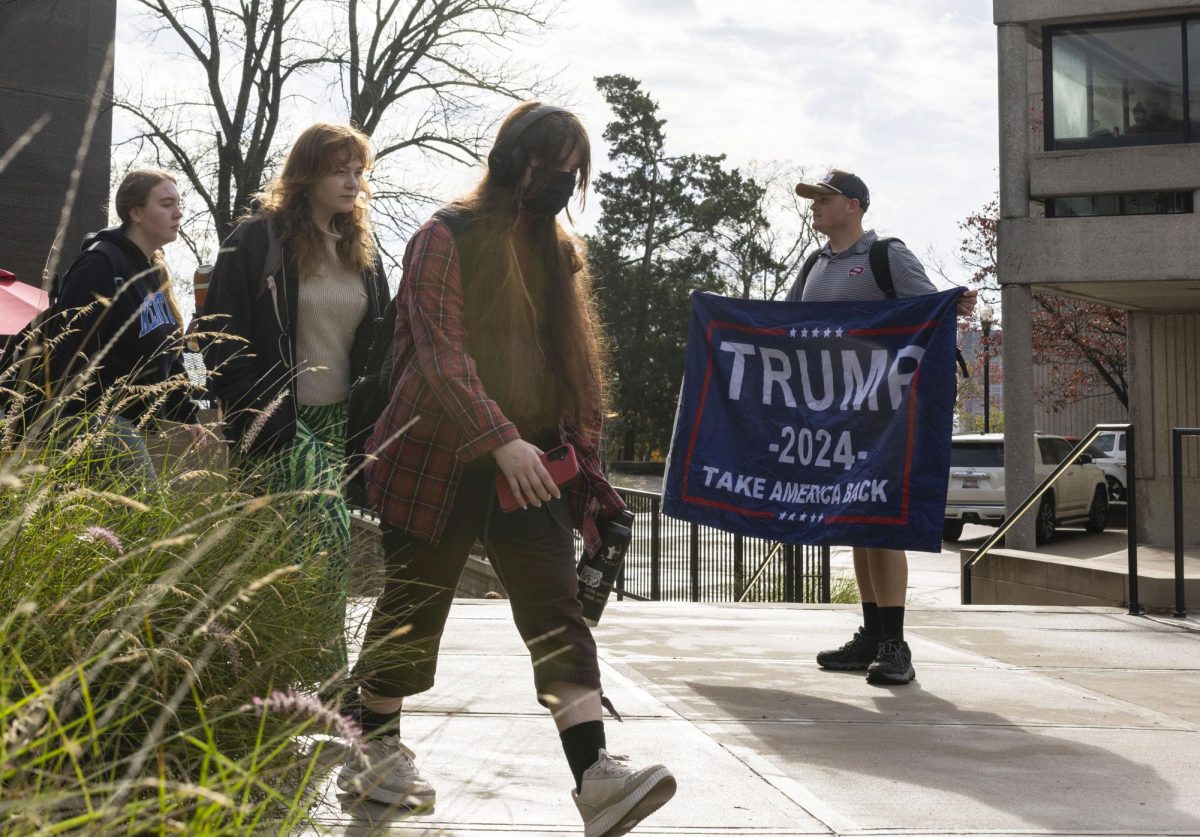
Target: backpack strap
[(456, 219), (274, 258), (881, 267), (809, 263)]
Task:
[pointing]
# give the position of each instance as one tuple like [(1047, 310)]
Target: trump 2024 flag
[(817, 422)]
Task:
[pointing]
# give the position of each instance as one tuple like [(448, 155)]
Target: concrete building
[(52, 55), (1099, 176)]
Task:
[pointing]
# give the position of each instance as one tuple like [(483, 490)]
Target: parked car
[(1108, 452), (976, 489)]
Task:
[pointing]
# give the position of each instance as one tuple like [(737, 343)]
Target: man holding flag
[(856, 265)]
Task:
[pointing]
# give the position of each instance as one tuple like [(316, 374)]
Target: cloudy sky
[(902, 94)]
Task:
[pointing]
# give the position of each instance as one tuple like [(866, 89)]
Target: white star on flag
[(804, 333), (792, 333), (838, 332), (828, 332)]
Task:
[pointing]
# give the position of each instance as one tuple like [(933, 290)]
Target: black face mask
[(554, 196)]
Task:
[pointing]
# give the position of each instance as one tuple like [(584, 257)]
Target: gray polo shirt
[(847, 276)]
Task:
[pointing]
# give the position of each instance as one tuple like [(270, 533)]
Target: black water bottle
[(598, 571)]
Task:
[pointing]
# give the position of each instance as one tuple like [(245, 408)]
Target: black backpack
[(371, 391), (881, 269), (25, 382)]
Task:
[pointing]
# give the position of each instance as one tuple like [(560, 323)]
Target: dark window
[(1135, 203), (1062, 448), (972, 455), (1104, 443), (1116, 85), (1193, 74), (1049, 454)]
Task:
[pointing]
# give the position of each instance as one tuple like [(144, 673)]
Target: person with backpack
[(496, 362), (290, 314), (115, 361), (857, 265)]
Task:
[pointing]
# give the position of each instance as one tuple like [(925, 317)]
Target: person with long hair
[(497, 359), (118, 362), (290, 315)]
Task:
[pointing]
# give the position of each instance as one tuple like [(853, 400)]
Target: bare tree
[(762, 248), (434, 59), (220, 136), (416, 75)]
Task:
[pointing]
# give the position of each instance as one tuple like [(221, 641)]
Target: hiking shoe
[(613, 798), (855, 655), (385, 771), (893, 664)]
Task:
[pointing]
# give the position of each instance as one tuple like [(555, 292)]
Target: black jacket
[(255, 372), (137, 330)]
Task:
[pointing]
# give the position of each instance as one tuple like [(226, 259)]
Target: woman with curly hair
[(293, 300)]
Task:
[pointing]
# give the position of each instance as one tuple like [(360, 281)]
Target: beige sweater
[(333, 301)]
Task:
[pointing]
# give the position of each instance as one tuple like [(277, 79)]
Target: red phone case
[(560, 462)]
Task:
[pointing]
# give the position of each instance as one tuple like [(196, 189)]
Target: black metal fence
[(1177, 436), (670, 560)]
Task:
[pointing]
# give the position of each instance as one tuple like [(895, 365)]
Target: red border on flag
[(901, 520)]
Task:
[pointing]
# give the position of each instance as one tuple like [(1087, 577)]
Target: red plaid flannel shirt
[(413, 478)]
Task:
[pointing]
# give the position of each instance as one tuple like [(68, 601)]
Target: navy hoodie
[(143, 333)]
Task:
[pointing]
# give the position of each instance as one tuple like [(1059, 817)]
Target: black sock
[(582, 743), (372, 722), (871, 618), (891, 621)]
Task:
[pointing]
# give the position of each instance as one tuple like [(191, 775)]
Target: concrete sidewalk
[(1021, 721)]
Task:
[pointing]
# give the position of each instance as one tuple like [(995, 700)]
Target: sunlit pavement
[(1021, 721)]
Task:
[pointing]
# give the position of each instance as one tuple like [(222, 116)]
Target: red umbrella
[(19, 303)]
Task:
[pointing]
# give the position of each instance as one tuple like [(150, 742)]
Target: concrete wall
[(1164, 357), (1119, 249), (1145, 168), (1041, 12), (1098, 407), (52, 54)]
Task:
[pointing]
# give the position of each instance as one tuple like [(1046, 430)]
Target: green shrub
[(159, 650)]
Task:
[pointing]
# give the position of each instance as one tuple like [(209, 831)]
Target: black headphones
[(506, 161)]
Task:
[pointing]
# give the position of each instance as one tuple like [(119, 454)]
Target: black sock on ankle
[(582, 743), (871, 618), (891, 621), (373, 722)]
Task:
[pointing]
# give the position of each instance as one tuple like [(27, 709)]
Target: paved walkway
[(1022, 721)]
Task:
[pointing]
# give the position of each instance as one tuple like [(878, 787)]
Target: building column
[(1013, 76), (1019, 478), (1139, 354), (1015, 299)]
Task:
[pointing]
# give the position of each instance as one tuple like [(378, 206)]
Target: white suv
[(1108, 452), (976, 490)]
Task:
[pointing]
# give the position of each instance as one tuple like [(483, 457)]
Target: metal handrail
[(1130, 511), (1177, 434), (762, 568)]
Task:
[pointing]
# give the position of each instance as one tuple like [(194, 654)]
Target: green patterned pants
[(313, 463)]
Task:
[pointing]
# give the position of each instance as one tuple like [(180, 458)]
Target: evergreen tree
[(654, 244)]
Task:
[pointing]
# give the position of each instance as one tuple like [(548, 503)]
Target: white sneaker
[(613, 798), (385, 771)]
